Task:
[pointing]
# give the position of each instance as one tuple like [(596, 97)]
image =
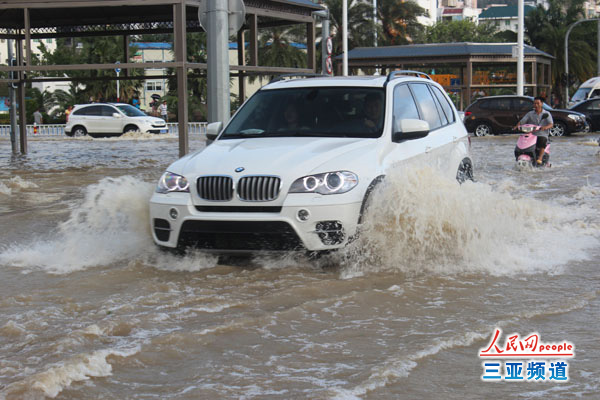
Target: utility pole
[(218, 61), (13, 103), (345, 37), (520, 58)]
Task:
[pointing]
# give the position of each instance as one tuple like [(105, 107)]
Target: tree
[(460, 31), (546, 30), (399, 22), (361, 31)]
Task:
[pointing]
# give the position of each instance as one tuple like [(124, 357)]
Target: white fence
[(194, 128)]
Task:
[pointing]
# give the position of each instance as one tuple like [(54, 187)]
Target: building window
[(507, 22), (155, 86), (36, 40), (48, 41)]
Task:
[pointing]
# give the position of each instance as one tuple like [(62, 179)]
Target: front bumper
[(242, 229)]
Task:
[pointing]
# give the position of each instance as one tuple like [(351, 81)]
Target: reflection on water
[(90, 308)]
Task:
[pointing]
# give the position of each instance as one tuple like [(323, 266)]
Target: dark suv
[(499, 114)]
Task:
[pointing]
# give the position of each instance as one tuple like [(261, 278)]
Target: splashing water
[(110, 225), (420, 221)]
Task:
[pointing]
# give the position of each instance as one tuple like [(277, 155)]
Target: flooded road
[(90, 309)]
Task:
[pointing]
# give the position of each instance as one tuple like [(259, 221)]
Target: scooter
[(525, 153)]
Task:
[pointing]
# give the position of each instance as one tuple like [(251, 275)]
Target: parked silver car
[(111, 119)]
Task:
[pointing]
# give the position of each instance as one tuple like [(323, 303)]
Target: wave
[(421, 221)]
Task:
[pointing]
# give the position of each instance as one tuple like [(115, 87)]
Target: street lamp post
[(567, 53)]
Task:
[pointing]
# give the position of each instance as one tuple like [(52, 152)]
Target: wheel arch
[(365, 203)]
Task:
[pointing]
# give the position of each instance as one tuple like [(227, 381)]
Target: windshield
[(581, 94), (313, 111), (130, 111)]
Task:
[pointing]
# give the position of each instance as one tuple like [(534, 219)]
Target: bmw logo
[(239, 169)]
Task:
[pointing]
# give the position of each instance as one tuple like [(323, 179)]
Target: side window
[(81, 111), (595, 93), (500, 104), (95, 111), (426, 104), (107, 111), (444, 103), (595, 105), (485, 104), (404, 104), (523, 105)]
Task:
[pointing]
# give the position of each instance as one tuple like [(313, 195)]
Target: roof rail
[(393, 74), (299, 74)]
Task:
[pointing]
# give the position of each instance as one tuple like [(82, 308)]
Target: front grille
[(258, 188), (215, 188), (239, 235)]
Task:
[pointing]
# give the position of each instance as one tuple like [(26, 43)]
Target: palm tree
[(399, 23), (546, 30)]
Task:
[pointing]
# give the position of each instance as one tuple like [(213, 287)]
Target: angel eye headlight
[(326, 183), (170, 182)]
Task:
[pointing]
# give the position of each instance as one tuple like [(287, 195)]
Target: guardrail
[(194, 128)]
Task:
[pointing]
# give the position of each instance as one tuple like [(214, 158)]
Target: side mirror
[(212, 130), (409, 129), (116, 115)]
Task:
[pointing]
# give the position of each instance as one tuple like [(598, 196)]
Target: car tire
[(130, 128), (465, 171), (559, 129), (78, 131), (482, 129)]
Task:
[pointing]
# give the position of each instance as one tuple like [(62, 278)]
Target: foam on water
[(420, 221), (53, 380), (110, 224), (15, 184)]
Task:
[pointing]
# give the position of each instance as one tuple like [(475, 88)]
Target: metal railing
[(194, 128)]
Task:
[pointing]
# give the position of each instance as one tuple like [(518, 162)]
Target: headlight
[(326, 183), (575, 117), (171, 182)]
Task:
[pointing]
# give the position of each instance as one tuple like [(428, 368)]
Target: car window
[(446, 107), (310, 111), (594, 105), (91, 111), (404, 104), (523, 105), (502, 104), (595, 93), (107, 111), (131, 111), (426, 105), (485, 104)]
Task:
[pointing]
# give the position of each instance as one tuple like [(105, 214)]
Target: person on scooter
[(544, 120)]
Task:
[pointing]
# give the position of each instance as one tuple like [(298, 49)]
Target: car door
[(522, 106), (503, 114), (593, 111), (110, 123), (408, 151)]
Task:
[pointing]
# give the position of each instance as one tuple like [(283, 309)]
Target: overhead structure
[(26, 20), (466, 70)]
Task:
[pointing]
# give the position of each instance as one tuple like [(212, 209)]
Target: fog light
[(303, 215), (173, 213)]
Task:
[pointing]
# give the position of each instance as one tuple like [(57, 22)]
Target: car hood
[(275, 156), (567, 111)]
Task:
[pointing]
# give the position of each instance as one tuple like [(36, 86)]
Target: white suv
[(111, 119), (294, 167)]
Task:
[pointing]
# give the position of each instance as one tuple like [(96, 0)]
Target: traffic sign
[(329, 45), (328, 65), (117, 70)]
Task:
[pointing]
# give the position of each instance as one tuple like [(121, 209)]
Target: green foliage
[(460, 31), (360, 19), (398, 21), (546, 30)]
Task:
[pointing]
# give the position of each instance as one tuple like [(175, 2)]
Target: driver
[(544, 121)]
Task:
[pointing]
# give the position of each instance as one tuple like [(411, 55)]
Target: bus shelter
[(27, 20), (466, 70)]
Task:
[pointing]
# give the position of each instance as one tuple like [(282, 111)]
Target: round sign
[(117, 70), (328, 65), (329, 45)]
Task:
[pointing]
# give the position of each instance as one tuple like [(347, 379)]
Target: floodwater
[(90, 309)]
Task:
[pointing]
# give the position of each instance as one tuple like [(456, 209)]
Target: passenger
[(373, 112), (291, 116)]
